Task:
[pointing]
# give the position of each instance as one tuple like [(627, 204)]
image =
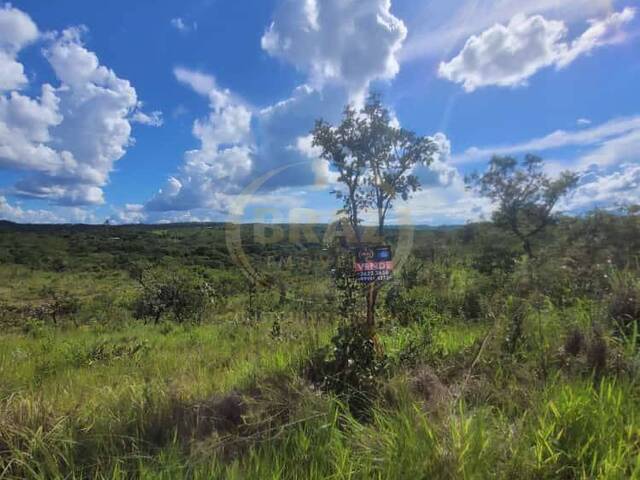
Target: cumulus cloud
[(319, 166), (94, 132), (438, 28), (16, 31), (440, 173), (341, 47), (439, 204), (128, 214), (24, 132), (507, 55), (67, 140), (15, 213), (224, 157), (350, 43)]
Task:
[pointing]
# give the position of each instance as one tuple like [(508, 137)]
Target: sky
[(201, 110)]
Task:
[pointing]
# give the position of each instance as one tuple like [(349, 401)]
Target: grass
[(101, 396), (81, 402)]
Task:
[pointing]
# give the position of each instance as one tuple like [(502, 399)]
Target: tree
[(343, 147), (375, 161), (524, 194), (60, 304), (178, 294), (391, 154)]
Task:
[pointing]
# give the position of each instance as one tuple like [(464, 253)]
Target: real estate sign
[(373, 264)]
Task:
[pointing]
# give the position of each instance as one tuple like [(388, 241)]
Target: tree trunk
[(372, 296), (526, 243)]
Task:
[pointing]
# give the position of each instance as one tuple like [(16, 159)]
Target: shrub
[(515, 314), (624, 302), (472, 308), (181, 297), (353, 369), (574, 342), (410, 306), (410, 273), (495, 258), (597, 352), (59, 304)]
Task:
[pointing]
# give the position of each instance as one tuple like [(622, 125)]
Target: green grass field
[(495, 383)]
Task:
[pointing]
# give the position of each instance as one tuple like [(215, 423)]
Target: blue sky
[(156, 111)]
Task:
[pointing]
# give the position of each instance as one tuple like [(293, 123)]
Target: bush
[(353, 369), (181, 297), (410, 306), (59, 304), (515, 313), (624, 302)]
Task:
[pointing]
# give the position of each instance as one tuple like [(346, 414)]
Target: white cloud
[(604, 190), (509, 55), (16, 213), (130, 213), (617, 128), (152, 119), (351, 43), (181, 25), (583, 121), (24, 132), (68, 139), (16, 31), (606, 31), (224, 156), (444, 205), (200, 82), (95, 129), (614, 151), (320, 167), (342, 47), (438, 27)]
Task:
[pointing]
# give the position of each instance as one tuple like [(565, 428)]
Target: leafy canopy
[(374, 158), (524, 194)]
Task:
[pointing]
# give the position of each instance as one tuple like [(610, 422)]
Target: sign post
[(373, 265)]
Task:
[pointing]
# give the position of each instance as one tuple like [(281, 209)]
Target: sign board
[(373, 264)]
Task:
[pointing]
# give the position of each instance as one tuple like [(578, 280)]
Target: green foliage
[(416, 305), (348, 289), (624, 301), (534, 365), (374, 160), (58, 304), (352, 369), (515, 313), (525, 195), (182, 297)]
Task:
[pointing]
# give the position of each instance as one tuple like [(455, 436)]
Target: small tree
[(375, 160), (524, 194), (60, 304), (184, 297), (343, 147), (391, 154)]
